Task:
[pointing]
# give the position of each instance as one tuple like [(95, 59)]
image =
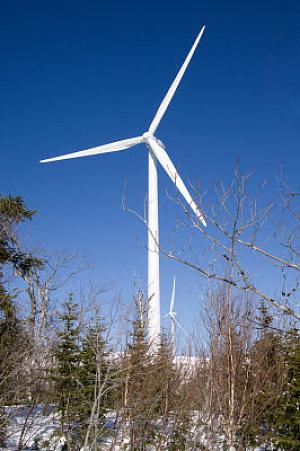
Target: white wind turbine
[(173, 321), (156, 152)]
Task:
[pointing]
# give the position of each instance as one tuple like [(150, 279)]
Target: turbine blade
[(112, 147), (168, 97), (173, 297), (178, 324), (170, 169)]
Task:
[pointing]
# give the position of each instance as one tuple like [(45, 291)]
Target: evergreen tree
[(12, 213), (287, 419), (94, 382), (279, 399), (67, 390), (164, 392), (136, 399), (267, 379), (14, 341), (163, 378)]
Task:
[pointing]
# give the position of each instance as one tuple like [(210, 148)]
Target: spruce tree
[(268, 373), (137, 402), (164, 395), (13, 212), (279, 399), (66, 377), (163, 375), (94, 381), (14, 341), (287, 419)]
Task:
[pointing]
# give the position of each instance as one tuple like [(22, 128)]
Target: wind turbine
[(156, 153), (173, 321)]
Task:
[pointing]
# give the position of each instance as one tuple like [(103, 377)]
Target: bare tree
[(42, 283), (237, 380), (259, 239)]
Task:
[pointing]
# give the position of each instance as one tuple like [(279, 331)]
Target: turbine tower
[(156, 152), (171, 315)]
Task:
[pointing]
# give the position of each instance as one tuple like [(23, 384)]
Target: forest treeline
[(234, 386)]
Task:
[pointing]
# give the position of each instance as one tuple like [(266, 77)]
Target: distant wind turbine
[(173, 320), (156, 152)]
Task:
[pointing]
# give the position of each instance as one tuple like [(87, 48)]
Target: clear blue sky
[(79, 74)]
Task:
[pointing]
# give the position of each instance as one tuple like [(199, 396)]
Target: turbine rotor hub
[(147, 136)]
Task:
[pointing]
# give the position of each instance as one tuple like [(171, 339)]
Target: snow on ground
[(31, 427), (38, 429)]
